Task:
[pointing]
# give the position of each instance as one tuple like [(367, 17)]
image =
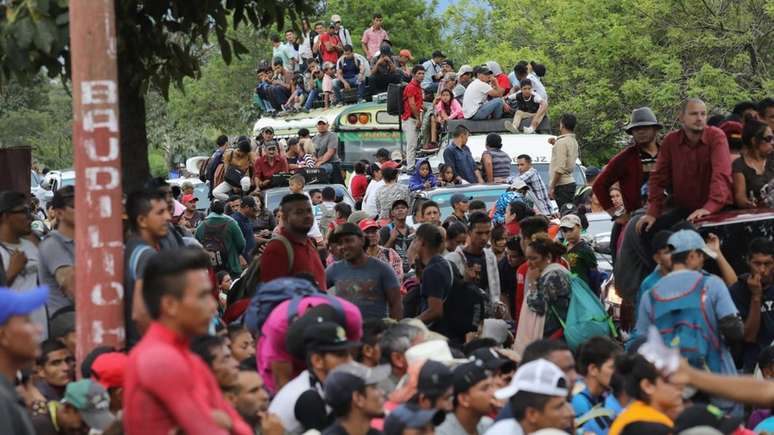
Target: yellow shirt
[(638, 411)]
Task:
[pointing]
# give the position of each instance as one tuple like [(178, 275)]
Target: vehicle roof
[(289, 125), (462, 188), (736, 216)]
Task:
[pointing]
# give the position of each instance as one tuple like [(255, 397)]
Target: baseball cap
[(108, 369), (458, 197), (369, 375), (397, 203), (688, 240), (267, 128), (335, 17), (20, 303), (412, 417), (321, 121), (465, 69), (368, 224), (92, 402), (327, 337), (469, 374), (436, 350), (707, 415), (592, 171), (492, 360), (348, 378), (540, 377), (382, 152), (271, 144), (389, 164), (188, 198), (570, 221), (331, 24), (10, 199), (434, 378), (483, 69), (294, 339), (660, 240), (406, 53), (63, 197), (347, 229)]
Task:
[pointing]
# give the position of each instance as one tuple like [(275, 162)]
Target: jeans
[(411, 134), (311, 98), (354, 82), (491, 109), (333, 169), (278, 95)]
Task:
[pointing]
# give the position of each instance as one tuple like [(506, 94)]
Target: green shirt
[(231, 238)]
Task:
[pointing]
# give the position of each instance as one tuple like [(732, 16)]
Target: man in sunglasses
[(18, 256)]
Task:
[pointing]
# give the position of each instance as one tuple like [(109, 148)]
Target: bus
[(362, 129)]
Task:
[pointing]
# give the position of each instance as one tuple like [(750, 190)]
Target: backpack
[(682, 322), (586, 316), (203, 170), (464, 308), (215, 245), (395, 98), (273, 293)]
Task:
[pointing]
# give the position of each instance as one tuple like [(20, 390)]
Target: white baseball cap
[(540, 377), (335, 18), (436, 350)]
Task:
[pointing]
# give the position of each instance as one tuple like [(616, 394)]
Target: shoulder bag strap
[(288, 247)]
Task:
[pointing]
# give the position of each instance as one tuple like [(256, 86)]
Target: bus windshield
[(362, 145)]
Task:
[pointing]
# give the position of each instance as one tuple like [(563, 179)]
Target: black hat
[(327, 337), (346, 229), (469, 374), (383, 152), (295, 339), (411, 416), (482, 69), (63, 197), (706, 415), (10, 200), (434, 378), (492, 360)]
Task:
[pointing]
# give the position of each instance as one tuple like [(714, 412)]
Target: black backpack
[(213, 243), (464, 308), (395, 98)]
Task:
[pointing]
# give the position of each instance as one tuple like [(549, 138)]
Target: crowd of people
[(324, 317)]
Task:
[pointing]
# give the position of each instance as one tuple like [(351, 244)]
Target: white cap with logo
[(540, 377)]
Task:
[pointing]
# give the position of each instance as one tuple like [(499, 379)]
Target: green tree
[(159, 44)]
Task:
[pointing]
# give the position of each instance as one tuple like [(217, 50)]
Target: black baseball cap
[(411, 416), (434, 378), (492, 360), (707, 415), (327, 337), (63, 197), (295, 339), (398, 202), (469, 374)]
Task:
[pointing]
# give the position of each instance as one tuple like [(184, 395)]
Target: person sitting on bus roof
[(529, 105), (269, 164), (423, 178), (350, 71), (282, 85)]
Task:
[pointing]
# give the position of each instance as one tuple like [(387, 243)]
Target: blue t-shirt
[(651, 280), (766, 425), (365, 286), (349, 68), (582, 403)]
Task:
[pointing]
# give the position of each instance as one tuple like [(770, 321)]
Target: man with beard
[(251, 400), (352, 393), (367, 282), (298, 219), (695, 163), (630, 169)]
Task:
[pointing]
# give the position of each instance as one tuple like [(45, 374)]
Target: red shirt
[(358, 185), (169, 389), (333, 55), (274, 262), (504, 82), (412, 90), (626, 170), (699, 175), (264, 171)]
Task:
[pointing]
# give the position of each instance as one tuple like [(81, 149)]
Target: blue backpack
[(586, 316), (682, 322), (274, 292)]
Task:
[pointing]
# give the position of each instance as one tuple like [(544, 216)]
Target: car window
[(488, 195)]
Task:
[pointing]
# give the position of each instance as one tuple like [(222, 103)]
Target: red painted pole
[(99, 263)]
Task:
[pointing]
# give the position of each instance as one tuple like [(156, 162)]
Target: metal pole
[(99, 244)]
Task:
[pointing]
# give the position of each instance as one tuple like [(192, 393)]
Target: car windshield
[(487, 194), (67, 182), (542, 169)]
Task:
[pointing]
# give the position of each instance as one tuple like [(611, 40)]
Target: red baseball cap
[(389, 164), (108, 369), (188, 198), (367, 224)]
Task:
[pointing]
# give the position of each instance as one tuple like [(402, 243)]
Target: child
[(358, 184), (343, 212), (329, 74), (528, 105), (596, 362), (580, 256), (448, 177), (423, 178), (447, 108), (327, 208), (663, 257), (766, 366)]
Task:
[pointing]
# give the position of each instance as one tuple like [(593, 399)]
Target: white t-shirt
[(284, 403), (369, 200), (475, 97), (27, 279)]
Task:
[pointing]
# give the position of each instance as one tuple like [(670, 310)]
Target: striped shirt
[(501, 164), (536, 185)]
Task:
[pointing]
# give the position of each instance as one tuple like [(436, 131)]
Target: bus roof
[(286, 126), (377, 118)]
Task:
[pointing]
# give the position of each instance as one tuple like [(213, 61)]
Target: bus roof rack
[(482, 126)]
